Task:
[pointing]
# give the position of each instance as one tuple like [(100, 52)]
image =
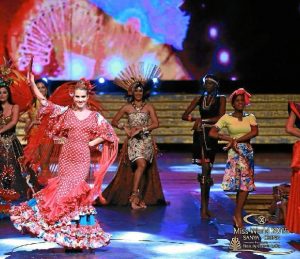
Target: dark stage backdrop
[(251, 43)]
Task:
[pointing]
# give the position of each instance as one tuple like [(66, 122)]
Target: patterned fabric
[(10, 153), (239, 170), (57, 212), (77, 230), (141, 145)]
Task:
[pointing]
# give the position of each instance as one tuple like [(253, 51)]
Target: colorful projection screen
[(70, 39)]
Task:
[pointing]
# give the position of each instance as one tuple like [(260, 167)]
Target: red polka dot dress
[(63, 212)]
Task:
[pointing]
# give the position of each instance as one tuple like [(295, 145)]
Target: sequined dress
[(12, 183), (140, 146), (62, 212)]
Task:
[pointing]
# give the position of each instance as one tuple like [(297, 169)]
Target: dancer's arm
[(116, 119), (14, 120), (96, 141), (290, 125), (41, 98), (154, 119), (252, 134), (186, 116), (214, 133)]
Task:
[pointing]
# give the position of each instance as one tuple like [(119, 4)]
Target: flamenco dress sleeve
[(50, 116), (106, 153)]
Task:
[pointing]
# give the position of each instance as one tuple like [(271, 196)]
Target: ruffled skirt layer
[(69, 221)]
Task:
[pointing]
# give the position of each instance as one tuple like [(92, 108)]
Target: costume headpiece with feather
[(17, 83), (137, 73)]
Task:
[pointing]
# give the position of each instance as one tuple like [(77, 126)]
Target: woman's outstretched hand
[(30, 78)]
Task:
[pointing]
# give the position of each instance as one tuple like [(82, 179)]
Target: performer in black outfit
[(211, 107)]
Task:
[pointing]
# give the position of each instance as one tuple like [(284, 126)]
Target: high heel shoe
[(135, 201), (237, 224), (142, 204)]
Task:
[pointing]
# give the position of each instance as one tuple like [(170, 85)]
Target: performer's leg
[(141, 165), (205, 183), (241, 198)]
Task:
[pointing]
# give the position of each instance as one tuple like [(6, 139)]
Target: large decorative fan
[(73, 39)]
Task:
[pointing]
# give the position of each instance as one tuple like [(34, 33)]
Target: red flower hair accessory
[(82, 84), (242, 91)]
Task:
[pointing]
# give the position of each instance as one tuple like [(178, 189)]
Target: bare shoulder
[(15, 107), (197, 99), (126, 107), (149, 106)]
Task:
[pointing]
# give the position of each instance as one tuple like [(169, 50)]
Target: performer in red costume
[(293, 209), (62, 212)]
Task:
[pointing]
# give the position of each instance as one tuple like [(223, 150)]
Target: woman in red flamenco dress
[(62, 212), (293, 211)]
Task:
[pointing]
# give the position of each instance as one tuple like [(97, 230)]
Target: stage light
[(101, 80), (45, 79), (78, 68), (224, 57), (213, 32), (233, 78), (114, 65), (37, 68), (172, 249), (155, 80), (132, 236)]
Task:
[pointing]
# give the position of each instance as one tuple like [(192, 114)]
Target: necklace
[(138, 109), (206, 105)]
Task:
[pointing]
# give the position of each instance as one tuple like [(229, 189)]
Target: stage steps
[(256, 203), (270, 110)]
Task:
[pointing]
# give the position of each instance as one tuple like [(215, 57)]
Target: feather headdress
[(17, 83), (137, 73)]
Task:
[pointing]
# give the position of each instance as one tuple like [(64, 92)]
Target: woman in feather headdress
[(137, 180)]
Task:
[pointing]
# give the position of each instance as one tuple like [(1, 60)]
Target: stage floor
[(176, 230)]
